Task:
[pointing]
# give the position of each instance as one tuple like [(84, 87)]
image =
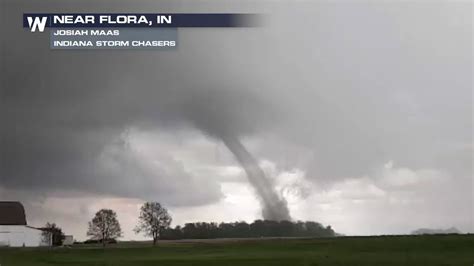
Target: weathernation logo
[(37, 23)]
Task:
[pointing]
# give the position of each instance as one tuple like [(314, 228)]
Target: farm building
[(14, 231)]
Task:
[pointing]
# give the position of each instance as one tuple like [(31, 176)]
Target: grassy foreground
[(394, 250)]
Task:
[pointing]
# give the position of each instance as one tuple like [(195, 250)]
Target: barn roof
[(12, 213)]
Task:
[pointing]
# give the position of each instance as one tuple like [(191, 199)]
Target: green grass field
[(395, 250)]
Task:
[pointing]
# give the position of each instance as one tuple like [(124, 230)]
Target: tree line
[(154, 221), (258, 228)]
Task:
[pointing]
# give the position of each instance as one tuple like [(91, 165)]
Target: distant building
[(14, 231), (68, 240)]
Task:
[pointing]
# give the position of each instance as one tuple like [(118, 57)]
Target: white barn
[(14, 231)]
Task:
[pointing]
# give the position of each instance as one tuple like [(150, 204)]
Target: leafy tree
[(104, 226), (53, 234), (153, 220)]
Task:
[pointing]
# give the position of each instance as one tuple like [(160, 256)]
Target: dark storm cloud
[(354, 85), (60, 112)]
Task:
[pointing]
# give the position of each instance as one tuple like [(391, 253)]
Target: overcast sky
[(359, 112)]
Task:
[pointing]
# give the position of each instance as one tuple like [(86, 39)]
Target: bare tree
[(104, 226), (153, 220)]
